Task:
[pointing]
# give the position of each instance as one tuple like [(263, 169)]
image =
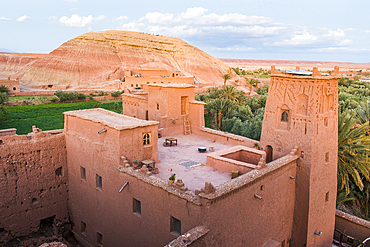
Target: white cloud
[(23, 18), (336, 34), (158, 18), (235, 32), (122, 18), (298, 39), (73, 9), (79, 21), (367, 31), (133, 26), (5, 19), (234, 48)]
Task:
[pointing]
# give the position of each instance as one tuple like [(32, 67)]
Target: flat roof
[(111, 119), (176, 85), (188, 164)]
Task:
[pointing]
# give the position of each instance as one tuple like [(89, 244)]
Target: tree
[(353, 151), (250, 83), (228, 92), (4, 89), (363, 112), (226, 77), (218, 108)]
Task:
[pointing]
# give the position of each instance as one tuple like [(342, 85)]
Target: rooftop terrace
[(188, 164), (111, 119)]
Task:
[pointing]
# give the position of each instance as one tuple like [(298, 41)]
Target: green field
[(47, 116)]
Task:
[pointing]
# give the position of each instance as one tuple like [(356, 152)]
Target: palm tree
[(226, 77), (353, 151), (228, 92), (363, 112), (250, 83), (220, 108)]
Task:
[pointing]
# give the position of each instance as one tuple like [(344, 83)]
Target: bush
[(63, 96), (97, 105), (116, 106), (263, 90), (55, 99), (101, 93), (3, 114), (116, 94), (3, 98)]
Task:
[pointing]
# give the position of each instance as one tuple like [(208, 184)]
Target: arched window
[(146, 139), (284, 116)]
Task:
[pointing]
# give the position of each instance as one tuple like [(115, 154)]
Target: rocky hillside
[(97, 57)]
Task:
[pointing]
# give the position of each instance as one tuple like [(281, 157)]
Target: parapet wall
[(224, 137), (33, 182), (351, 225)]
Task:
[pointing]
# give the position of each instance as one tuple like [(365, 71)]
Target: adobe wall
[(32, 188), (169, 100), (351, 226), (133, 82), (236, 217), (13, 85), (134, 105), (232, 213), (224, 137), (151, 73)]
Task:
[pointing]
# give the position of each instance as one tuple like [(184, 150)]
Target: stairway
[(187, 130)]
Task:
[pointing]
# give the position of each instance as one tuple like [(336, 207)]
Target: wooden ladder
[(187, 130)]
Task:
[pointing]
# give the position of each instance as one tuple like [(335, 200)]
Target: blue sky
[(324, 30)]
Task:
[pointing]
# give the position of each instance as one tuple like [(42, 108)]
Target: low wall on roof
[(224, 137), (33, 182), (351, 225)]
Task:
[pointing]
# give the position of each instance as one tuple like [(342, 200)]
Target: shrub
[(97, 105), (101, 93), (55, 99), (116, 106), (3, 98), (116, 94), (3, 114)]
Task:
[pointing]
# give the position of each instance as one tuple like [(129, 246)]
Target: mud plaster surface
[(187, 150)]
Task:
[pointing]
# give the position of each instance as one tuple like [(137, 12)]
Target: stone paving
[(186, 150)]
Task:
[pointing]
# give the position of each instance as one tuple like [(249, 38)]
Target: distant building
[(138, 78), (13, 85)]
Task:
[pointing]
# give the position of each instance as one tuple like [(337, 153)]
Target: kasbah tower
[(302, 111)]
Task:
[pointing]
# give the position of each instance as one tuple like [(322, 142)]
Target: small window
[(157, 106), (99, 182), (99, 239), (175, 225), (327, 157), (327, 197), (147, 82), (302, 154), (14, 88), (83, 173), (132, 85), (326, 122), (284, 116), (137, 206), (146, 139), (58, 172), (83, 228), (137, 85)]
